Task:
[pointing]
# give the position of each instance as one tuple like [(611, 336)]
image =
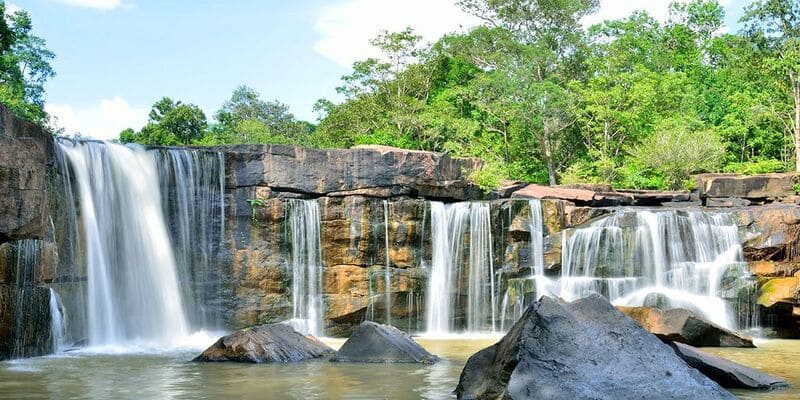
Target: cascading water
[(680, 258), (306, 266), (513, 303), (58, 325), (133, 292), (192, 193), (461, 258), (481, 298), (387, 276)]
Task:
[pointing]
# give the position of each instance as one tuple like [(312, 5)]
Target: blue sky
[(116, 57)]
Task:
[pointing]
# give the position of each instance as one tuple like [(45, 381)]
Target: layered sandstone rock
[(757, 188), (374, 171), (26, 159)]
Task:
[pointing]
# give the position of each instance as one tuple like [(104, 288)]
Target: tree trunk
[(797, 124), (505, 143), (551, 172), (548, 159)]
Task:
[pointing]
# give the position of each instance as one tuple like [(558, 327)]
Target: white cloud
[(347, 27), (104, 5), (101, 121)]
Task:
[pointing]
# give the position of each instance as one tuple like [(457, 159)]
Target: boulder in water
[(377, 343), (272, 343), (581, 350), (725, 372), (684, 326)]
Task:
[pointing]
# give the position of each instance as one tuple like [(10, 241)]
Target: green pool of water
[(171, 376)]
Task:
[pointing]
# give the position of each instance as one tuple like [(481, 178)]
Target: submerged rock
[(378, 343), (725, 372), (684, 326), (581, 350), (265, 344)]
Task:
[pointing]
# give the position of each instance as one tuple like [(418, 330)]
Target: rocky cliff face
[(374, 216), (357, 191), (27, 251)]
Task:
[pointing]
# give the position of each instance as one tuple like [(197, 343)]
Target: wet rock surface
[(684, 326), (581, 350), (273, 343), (725, 372), (378, 343)]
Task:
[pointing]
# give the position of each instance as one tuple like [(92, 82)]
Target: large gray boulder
[(273, 343), (581, 350), (378, 343), (682, 325), (725, 372)]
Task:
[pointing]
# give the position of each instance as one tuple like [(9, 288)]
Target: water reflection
[(171, 376)]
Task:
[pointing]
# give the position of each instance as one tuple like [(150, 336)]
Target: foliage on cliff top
[(24, 66), (633, 102)]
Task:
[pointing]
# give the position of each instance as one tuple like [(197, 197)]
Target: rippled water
[(170, 376), (777, 357)]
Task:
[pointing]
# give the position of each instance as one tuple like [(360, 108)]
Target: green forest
[(632, 102)]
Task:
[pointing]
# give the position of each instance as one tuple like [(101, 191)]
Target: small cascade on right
[(306, 266), (667, 259), (58, 325)]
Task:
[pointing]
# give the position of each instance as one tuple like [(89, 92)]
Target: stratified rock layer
[(374, 171), (273, 343), (379, 343), (581, 350)]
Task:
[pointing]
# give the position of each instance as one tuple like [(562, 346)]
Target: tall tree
[(246, 118), (777, 24), (534, 45), (170, 123), (24, 65)]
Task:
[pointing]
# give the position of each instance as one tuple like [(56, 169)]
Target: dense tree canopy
[(24, 66), (634, 102)]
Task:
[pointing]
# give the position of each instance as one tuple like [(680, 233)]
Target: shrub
[(755, 167), (676, 149)]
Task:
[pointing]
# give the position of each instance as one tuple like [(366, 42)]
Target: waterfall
[(133, 292), (513, 304), (192, 193), (387, 276), (662, 258), (58, 325), (481, 298), (461, 262), (306, 266)]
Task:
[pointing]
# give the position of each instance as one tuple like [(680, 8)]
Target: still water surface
[(170, 376)]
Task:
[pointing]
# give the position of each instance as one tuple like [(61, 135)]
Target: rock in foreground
[(684, 326), (725, 372), (271, 343), (581, 350), (378, 343)]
